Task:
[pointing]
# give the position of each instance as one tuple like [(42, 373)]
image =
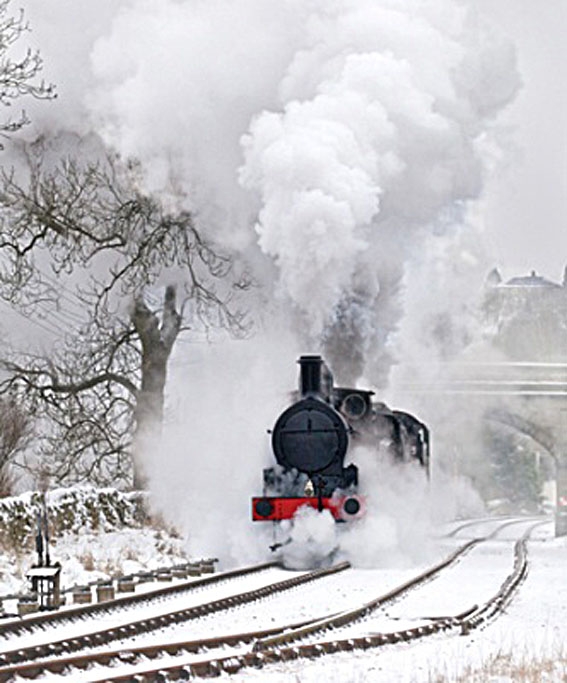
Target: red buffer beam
[(270, 509)]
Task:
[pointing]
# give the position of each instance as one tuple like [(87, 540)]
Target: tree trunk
[(157, 342)]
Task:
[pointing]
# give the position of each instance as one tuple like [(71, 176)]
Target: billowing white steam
[(343, 132), (331, 141), (375, 144)]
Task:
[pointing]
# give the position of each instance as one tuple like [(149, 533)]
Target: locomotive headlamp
[(309, 489), (264, 508), (352, 506)]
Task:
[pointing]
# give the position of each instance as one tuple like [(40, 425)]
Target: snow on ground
[(101, 533), (91, 556), (533, 627), (103, 555)]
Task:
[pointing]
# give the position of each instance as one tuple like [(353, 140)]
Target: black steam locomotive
[(311, 439)]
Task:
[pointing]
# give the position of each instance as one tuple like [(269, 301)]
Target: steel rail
[(259, 657), (536, 519), (133, 655), (350, 616), (498, 602), (29, 623), (476, 522), (127, 630)]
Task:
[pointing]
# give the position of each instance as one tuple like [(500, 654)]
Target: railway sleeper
[(467, 621), (315, 650), (289, 654), (43, 650), (233, 665), (337, 646), (268, 657), (205, 669), (30, 673)]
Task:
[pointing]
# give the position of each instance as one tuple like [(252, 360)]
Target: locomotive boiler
[(312, 438)]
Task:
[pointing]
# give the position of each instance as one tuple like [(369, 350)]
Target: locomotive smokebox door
[(310, 436)]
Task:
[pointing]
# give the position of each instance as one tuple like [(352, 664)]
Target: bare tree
[(101, 392), (18, 76), (15, 435)]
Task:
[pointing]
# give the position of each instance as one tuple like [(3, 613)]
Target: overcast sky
[(527, 205)]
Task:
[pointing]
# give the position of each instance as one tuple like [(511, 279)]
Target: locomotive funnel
[(315, 378)]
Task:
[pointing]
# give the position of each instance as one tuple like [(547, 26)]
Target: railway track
[(21, 660), (261, 640), (40, 622), (277, 649), (502, 522), (282, 647), (263, 646)]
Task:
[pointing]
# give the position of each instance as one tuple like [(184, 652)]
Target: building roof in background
[(531, 280)]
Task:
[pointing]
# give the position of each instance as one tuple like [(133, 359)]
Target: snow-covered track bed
[(76, 618), (280, 647), (489, 526), (128, 657), (20, 661), (465, 622)]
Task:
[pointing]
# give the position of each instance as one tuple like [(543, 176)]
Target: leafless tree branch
[(105, 383)]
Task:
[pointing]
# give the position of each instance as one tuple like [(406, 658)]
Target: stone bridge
[(528, 397)]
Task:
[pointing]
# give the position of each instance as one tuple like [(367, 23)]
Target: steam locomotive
[(311, 439)]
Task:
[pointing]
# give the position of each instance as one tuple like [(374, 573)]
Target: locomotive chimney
[(310, 377)]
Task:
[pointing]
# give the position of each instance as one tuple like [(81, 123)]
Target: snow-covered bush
[(68, 510)]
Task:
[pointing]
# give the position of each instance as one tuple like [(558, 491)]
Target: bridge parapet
[(497, 379)]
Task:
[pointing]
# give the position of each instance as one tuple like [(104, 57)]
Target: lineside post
[(561, 507)]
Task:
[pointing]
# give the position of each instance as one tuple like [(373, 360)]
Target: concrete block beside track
[(28, 606), (82, 596), (105, 592), (125, 585)]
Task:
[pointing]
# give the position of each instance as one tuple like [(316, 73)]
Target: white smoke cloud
[(339, 144), (344, 132), (222, 399), (65, 32), (377, 135), (176, 86)]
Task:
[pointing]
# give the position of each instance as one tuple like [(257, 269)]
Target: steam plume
[(331, 136), (375, 146), (336, 143)]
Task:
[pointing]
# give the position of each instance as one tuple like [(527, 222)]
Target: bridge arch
[(540, 435)]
